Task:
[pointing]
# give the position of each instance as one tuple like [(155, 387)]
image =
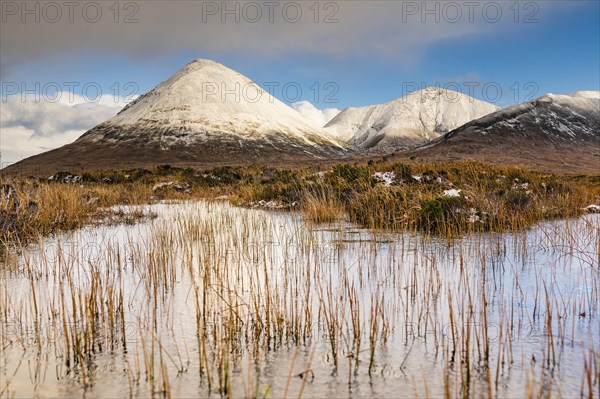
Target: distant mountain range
[(408, 121), (209, 115)]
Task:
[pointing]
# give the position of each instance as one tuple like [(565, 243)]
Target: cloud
[(32, 127), (347, 29), (319, 117), (25, 142)]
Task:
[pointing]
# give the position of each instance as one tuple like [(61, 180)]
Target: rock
[(170, 185), (592, 208), (65, 177)]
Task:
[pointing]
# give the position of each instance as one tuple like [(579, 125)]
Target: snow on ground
[(387, 178), (452, 193)]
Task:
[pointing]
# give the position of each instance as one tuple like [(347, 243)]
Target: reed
[(177, 304)]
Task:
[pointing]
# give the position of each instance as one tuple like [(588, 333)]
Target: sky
[(67, 66)]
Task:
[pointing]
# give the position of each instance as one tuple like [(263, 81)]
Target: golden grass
[(321, 207), (35, 209), (491, 198)]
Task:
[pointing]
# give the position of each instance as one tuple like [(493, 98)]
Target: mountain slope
[(554, 132), (205, 114), (408, 121)]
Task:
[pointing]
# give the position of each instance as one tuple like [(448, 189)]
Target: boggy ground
[(448, 199), (214, 300)]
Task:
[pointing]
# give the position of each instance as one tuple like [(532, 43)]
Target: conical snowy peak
[(207, 98), (205, 114), (407, 121)]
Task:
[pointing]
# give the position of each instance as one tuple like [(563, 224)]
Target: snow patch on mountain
[(586, 94)]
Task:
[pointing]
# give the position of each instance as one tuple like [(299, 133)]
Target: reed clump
[(31, 209), (321, 207)]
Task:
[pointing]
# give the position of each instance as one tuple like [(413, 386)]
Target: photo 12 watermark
[(491, 92), (290, 92), (57, 332), (252, 12), (453, 12), (126, 12), (210, 92), (69, 92)]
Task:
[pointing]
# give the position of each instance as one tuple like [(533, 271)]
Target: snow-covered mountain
[(206, 99), (204, 114), (407, 121), (573, 118), (559, 132)]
